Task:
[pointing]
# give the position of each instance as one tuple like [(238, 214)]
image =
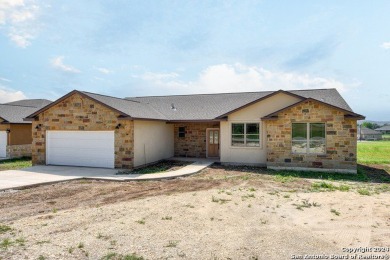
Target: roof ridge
[(124, 99), (231, 93), (12, 105)]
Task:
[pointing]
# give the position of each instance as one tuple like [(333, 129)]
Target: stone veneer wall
[(194, 142), (79, 113), (341, 138), (17, 151)]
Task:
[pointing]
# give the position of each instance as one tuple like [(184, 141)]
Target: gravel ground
[(218, 214)]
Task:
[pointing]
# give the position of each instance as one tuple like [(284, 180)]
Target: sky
[(128, 48)]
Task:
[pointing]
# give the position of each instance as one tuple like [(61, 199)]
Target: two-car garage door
[(81, 148)]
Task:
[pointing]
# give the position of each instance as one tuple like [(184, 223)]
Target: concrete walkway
[(37, 175)]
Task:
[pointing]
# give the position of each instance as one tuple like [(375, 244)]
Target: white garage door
[(80, 148), (3, 144)]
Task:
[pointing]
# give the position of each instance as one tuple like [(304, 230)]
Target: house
[(384, 129), (300, 129), (368, 134), (16, 134)]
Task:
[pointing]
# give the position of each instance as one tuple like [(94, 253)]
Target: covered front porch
[(197, 139)]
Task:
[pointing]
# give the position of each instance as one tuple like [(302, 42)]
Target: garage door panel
[(3, 143), (81, 148)]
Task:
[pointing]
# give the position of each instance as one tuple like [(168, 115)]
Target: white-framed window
[(308, 138), (246, 134)]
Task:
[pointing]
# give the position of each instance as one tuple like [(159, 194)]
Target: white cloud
[(4, 79), (8, 95), (58, 63), (385, 45), (238, 77), (19, 17), (104, 70)]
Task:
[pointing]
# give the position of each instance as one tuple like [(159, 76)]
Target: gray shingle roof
[(383, 128), (134, 109), (198, 107), (211, 106), (368, 131), (14, 112)]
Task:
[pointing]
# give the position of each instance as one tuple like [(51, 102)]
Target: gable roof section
[(200, 107), (348, 113), (368, 131), (14, 112), (216, 106), (126, 108)]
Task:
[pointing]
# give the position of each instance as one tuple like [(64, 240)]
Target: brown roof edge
[(32, 116), (348, 113), (259, 99)]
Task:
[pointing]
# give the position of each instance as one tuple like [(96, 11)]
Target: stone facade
[(340, 138), (79, 113), (194, 143), (17, 151)]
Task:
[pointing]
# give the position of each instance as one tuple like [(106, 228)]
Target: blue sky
[(135, 48)]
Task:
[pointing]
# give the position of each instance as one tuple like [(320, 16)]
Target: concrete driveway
[(36, 175)]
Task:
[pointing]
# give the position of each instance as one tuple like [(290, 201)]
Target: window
[(308, 138), (246, 134), (182, 132)]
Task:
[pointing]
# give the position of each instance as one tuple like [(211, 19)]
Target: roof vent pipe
[(173, 107)]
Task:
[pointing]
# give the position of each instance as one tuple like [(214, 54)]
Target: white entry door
[(3, 144), (80, 148)]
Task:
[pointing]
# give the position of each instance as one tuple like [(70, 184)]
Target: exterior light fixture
[(8, 131), (118, 126), (39, 126)]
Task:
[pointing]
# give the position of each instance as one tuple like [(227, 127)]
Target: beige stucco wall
[(153, 141), (251, 114)]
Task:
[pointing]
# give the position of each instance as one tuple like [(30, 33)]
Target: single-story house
[(368, 134), (384, 129), (15, 133), (300, 129)]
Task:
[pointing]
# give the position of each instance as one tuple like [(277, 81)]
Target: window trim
[(244, 145), (308, 138)]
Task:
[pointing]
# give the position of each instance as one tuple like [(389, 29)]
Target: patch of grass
[(80, 245), (284, 178), (141, 221), (252, 189), (286, 196), (14, 164), (374, 152), (41, 257), (220, 201), (167, 218), (20, 241), (43, 242), (115, 256), (306, 204), (70, 250), (159, 167), (6, 243), (382, 188), (337, 213), (172, 243), (189, 206), (364, 191), (327, 186), (4, 229), (54, 210)]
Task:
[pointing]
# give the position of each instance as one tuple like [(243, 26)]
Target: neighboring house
[(384, 129), (16, 134), (301, 129), (368, 134)]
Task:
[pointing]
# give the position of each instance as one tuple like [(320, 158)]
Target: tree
[(370, 125)]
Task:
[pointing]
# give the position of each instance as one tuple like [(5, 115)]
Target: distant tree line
[(371, 125)]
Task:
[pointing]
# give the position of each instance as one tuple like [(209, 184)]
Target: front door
[(213, 143)]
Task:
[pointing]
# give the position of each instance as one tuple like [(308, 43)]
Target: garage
[(80, 148), (3, 144)]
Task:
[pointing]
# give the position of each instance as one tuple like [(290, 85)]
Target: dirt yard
[(221, 213)]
